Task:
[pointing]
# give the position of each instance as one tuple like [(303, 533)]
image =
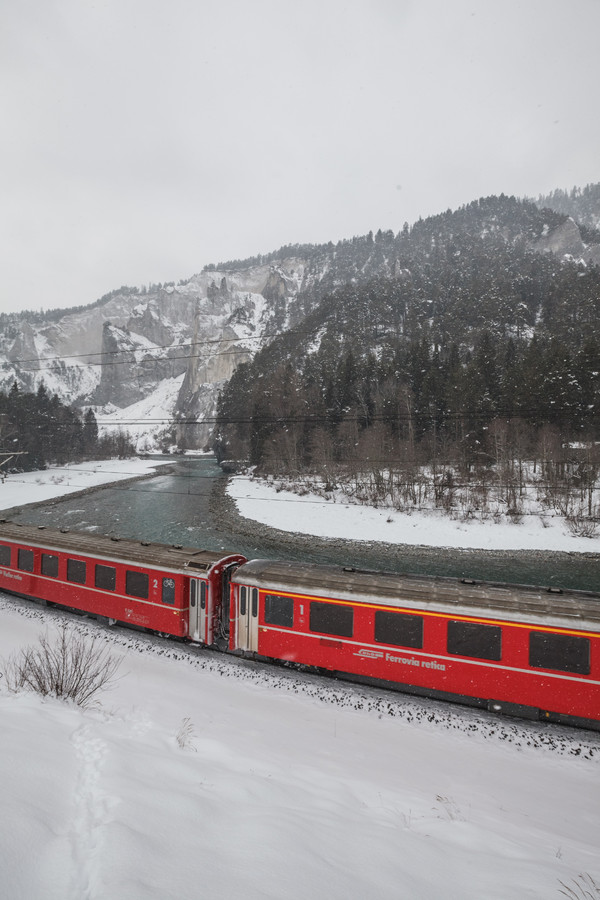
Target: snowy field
[(57, 481), (282, 790), (311, 514)]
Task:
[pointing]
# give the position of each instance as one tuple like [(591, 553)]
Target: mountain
[(488, 312), (145, 357)]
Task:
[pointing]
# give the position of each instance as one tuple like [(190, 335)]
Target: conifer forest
[(465, 377)]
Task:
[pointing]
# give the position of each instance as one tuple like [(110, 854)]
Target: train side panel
[(137, 595), (503, 664)]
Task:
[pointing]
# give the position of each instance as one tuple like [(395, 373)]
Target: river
[(186, 506)]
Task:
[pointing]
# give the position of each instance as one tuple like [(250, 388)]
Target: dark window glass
[(50, 565), (105, 577), (565, 652), (25, 560), (254, 602), (136, 584), (279, 610), (4, 555), (203, 587), (168, 590), (76, 571), (243, 594), (331, 618), (473, 639), (400, 629)]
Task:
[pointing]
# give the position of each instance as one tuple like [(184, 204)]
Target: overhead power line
[(131, 350), (292, 499)]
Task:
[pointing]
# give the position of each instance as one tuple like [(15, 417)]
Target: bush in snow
[(185, 735), (581, 888), (67, 667)]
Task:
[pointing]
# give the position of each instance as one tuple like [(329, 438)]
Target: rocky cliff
[(115, 354)]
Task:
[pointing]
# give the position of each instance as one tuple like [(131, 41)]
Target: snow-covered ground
[(312, 514), (36, 487), (146, 420), (282, 790)]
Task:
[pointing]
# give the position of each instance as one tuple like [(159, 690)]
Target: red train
[(513, 649)]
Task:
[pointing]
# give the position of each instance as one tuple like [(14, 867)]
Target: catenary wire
[(158, 494)]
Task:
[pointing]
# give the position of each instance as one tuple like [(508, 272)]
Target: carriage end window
[(168, 591), (4, 555)]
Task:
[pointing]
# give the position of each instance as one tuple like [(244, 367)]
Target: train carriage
[(514, 649), (511, 648), (174, 590)]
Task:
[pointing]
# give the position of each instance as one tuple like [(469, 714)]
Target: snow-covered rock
[(135, 345)]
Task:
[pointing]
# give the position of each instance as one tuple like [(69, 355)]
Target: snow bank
[(36, 487), (311, 514)]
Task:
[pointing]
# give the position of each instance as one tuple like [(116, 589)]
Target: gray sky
[(142, 139)]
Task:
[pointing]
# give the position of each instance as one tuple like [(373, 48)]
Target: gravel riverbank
[(569, 570)]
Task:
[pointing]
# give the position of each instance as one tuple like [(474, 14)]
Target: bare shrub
[(185, 735), (583, 887), (581, 525), (66, 666), (515, 513)]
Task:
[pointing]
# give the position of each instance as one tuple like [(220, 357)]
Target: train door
[(226, 599), (198, 610), (247, 623)]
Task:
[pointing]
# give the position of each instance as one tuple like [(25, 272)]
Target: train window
[(105, 577), (76, 571), (279, 610), (243, 595), (49, 565), (399, 629), (564, 652), (203, 587), (473, 639), (25, 560), (4, 555), (136, 584), (331, 618), (168, 590)]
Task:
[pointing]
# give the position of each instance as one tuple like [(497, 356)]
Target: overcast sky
[(142, 139)]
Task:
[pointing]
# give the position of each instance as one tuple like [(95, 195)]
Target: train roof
[(143, 553), (516, 602)]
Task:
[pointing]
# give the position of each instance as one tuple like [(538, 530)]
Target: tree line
[(48, 432)]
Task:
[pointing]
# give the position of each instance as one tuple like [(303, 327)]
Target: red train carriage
[(174, 590), (515, 649)]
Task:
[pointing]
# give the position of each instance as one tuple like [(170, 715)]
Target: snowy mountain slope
[(122, 348)]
